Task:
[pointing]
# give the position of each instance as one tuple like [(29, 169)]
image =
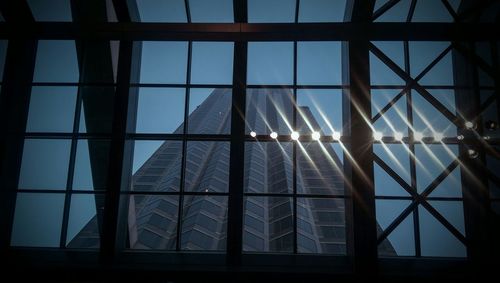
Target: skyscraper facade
[(269, 206)]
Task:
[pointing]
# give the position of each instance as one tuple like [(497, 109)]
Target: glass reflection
[(268, 224), (204, 225)]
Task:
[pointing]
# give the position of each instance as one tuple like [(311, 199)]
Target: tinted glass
[(164, 62), (56, 61), (37, 220), (270, 63), (160, 110)]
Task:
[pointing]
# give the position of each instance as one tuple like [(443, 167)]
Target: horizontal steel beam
[(255, 32)]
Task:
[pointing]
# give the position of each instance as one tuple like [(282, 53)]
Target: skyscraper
[(269, 220)]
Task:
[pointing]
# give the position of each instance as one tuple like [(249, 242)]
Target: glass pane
[(83, 226), (160, 110), (56, 61), (157, 166), (319, 169), (97, 110), (401, 241), (319, 110), (212, 63), (321, 226), (207, 166), (268, 167), (431, 11), (171, 11), (209, 111), (269, 110), (393, 120), (211, 11), (428, 120), (3, 54), (432, 160), (437, 240), (152, 222), (316, 11), (386, 185), (164, 62), (37, 220), (44, 164), (276, 11), (394, 50), (397, 157), (270, 63), (268, 224), (52, 109), (51, 10), (204, 223), (91, 165), (319, 63), (381, 74), (397, 13), (422, 53)]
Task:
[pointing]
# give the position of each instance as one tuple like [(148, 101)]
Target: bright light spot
[(486, 138), (472, 153), (295, 136), (274, 135), (438, 137), (253, 134), (398, 136), (460, 137), (336, 135), (315, 136), (418, 136), (469, 125), (378, 136)]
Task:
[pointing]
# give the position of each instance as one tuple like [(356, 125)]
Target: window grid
[(186, 138), (294, 195), (74, 136), (419, 200)]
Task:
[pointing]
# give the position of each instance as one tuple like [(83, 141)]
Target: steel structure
[(91, 31)]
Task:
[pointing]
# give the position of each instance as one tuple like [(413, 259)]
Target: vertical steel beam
[(16, 91), (237, 149), (474, 178), (362, 226)]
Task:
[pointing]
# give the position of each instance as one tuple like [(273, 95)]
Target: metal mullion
[(423, 92), (297, 7), (444, 222), (397, 221), (189, 137), (408, 188), (411, 11), (175, 193), (188, 11), (299, 195), (184, 148), (413, 81), (294, 144), (299, 86), (384, 9), (390, 104), (411, 148), (452, 12), (72, 157), (167, 85), (440, 178)]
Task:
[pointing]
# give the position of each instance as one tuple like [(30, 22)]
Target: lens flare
[(336, 135), (315, 136), (295, 136), (398, 136), (418, 136), (253, 134), (274, 135), (378, 136)]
